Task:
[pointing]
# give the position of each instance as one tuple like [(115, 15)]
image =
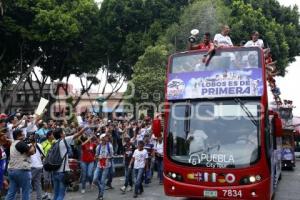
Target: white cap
[(102, 136)]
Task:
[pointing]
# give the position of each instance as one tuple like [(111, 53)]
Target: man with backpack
[(104, 153), (19, 167), (57, 161)]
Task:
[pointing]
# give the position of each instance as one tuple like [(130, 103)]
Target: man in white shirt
[(59, 175), (255, 42), (197, 141), (222, 39), (139, 159), (37, 169), (159, 153)]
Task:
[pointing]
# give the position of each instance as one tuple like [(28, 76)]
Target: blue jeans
[(86, 173), (160, 168), (19, 179), (2, 170), (102, 175), (128, 176), (96, 175), (59, 185), (111, 173), (138, 180)]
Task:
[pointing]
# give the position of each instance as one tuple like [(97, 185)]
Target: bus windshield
[(225, 59), (222, 134)]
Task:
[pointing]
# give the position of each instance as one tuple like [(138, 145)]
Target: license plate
[(210, 193)]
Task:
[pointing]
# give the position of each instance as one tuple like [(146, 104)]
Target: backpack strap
[(39, 149), (99, 149), (108, 147), (65, 156)]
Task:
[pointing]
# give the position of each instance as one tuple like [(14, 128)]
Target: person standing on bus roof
[(205, 44), (255, 42), (222, 39)]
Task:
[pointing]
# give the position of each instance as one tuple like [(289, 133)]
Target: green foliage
[(205, 15), (274, 16), (128, 27), (149, 75), (59, 31), (245, 19)]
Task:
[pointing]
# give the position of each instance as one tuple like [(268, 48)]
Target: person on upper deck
[(255, 41), (205, 44), (222, 39)]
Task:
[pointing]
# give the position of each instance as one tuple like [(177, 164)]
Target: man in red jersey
[(206, 44)]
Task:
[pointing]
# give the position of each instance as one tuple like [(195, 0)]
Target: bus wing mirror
[(156, 127), (278, 126)]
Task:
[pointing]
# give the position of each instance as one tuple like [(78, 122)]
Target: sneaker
[(100, 197), (109, 187), (45, 196), (123, 189), (142, 189), (82, 191), (50, 197), (90, 187), (135, 196), (129, 189)]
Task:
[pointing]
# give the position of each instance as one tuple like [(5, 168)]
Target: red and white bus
[(221, 141)]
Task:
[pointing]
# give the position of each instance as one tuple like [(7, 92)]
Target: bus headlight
[(175, 176), (250, 179)]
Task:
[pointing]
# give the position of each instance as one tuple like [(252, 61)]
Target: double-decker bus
[(221, 141)]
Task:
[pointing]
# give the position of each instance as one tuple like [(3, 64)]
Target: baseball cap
[(102, 136), (3, 116)]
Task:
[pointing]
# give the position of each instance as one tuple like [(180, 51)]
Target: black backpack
[(53, 160)]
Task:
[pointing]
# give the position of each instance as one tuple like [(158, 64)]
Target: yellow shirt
[(47, 145)]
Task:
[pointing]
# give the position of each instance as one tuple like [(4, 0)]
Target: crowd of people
[(27, 141)]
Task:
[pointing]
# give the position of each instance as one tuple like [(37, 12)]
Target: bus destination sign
[(211, 84)]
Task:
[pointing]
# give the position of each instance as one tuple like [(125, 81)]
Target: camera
[(31, 138), (193, 37)]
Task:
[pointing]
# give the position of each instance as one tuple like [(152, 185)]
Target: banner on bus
[(211, 84)]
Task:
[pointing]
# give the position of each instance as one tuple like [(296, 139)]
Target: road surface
[(289, 189)]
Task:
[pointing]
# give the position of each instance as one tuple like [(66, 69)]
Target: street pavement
[(288, 189), (153, 191), (289, 186)]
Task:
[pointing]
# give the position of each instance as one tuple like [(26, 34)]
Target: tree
[(205, 15), (149, 74), (128, 27), (287, 17), (245, 19), (57, 36)]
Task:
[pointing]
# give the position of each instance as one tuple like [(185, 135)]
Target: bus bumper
[(288, 163), (258, 191)]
